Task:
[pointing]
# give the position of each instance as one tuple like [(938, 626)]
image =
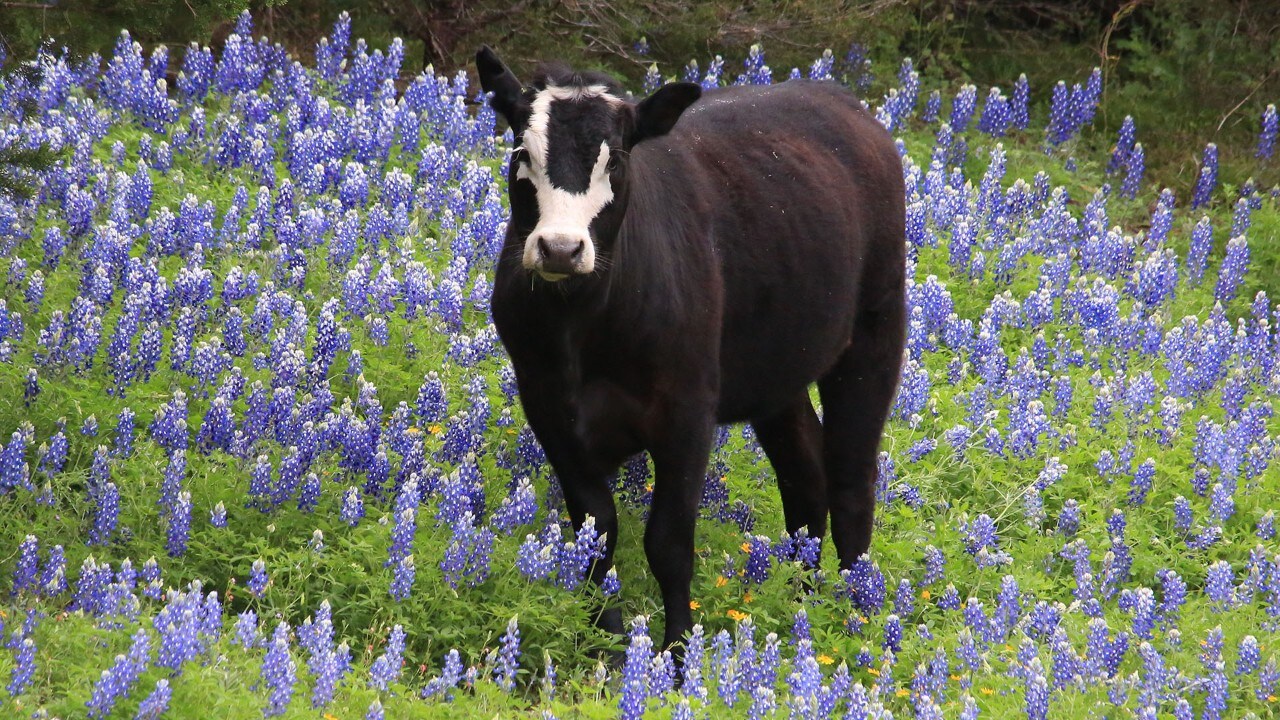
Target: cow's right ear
[(507, 94)]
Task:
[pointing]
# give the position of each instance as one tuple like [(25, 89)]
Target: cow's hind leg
[(792, 440), (857, 395)]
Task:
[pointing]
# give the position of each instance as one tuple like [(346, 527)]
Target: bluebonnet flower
[(1207, 181), (118, 681), (1019, 118), (352, 506), (1248, 656), (932, 107), (1173, 591), (179, 520), (635, 673), (1135, 167), (35, 292), (31, 389), (1242, 218), (892, 634), (1104, 654), (1125, 143), (260, 485), (1142, 481), (450, 675), (53, 575), (1216, 693), (610, 585), (386, 668), (962, 108), (106, 514), (279, 672), (1221, 504), (1234, 267), (864, 584), (508, 659), (1036, 692), (218, 516), (13, 466), (1267, 138), (536, 558), (981, 542), (995, 114), (759, 559), (763, 703), (467, 555), (1268, 678), (246, 630), (169, 426), (309, 496), (257, 584), (1219, 585), (24, 667), (1062, 123), (1182, 516), (157, 703), (24, 574), (516, 509), (920, 448), (1266, 528)]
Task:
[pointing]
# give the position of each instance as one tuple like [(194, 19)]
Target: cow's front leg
[(583, 465), (680, 466), (585, 485), (590, 495)]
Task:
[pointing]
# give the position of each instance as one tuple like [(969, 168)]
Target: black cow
[(660, 277)]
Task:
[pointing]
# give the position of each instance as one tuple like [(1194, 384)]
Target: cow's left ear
[(508, 95), (658, 113)]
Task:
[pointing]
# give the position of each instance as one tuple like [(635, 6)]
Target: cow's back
[(801, 186)]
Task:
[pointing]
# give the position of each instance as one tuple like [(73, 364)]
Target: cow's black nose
[(560, 254)]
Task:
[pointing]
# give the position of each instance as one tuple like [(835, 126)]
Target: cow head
[(568, 179)]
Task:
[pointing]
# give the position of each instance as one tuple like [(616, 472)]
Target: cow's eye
[(612, 164)]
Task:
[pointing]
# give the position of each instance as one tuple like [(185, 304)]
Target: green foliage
[(19, 164), (93, 25)]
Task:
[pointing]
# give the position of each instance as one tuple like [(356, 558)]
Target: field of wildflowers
[(262, 453)]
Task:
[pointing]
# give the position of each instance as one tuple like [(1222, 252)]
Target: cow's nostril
[(543, 248), (577, 252)]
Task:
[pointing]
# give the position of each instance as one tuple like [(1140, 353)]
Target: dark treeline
[(1190, 70), (962, 37)]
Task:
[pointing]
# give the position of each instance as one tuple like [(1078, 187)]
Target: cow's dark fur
[(751, 250)]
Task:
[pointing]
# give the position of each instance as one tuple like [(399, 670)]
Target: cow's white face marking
[(562, 215)]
